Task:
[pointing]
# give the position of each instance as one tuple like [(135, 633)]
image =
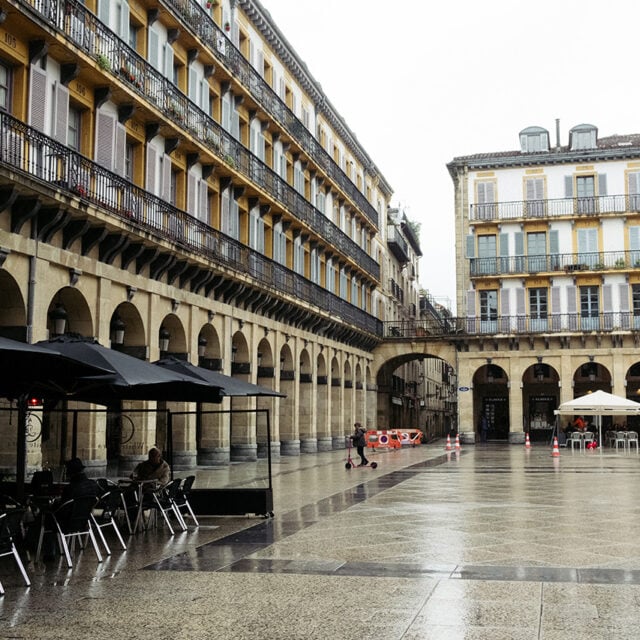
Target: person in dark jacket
[(359, 442), (79, 484)]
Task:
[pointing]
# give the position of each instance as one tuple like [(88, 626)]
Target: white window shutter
[(119, 163), (520, 302), (224, 211), (103, 11), (471, 303), (166, 178), (151, 169), (623, 293), (505, 302), (571, 299), (124, 21), (556, 307), (193, 85), (607, 298), (61, 113), (203, 204), (105, 137), (37, 97), (192, 199), (204, 96), (168, 61), (153, 44)]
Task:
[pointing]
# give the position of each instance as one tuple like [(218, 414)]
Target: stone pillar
[(516, 428), (213, 447)]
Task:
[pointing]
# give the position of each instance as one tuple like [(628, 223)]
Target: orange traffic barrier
[(383, 439), (448, 447), (556, 451), (527, 442)]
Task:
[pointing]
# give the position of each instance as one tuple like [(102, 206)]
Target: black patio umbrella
[(28, 370), (228, 386), (133, 379)]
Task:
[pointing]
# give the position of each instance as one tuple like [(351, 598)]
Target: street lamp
[(59, 319), (164, 339), (202, 346), (117, 328)]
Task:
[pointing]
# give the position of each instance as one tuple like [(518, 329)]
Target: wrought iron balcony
[(513, 325), (27, 152), (397, 244), (556, 208), (86, 31), (555, 263)]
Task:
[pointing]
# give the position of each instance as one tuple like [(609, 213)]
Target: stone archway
[(491, 401)]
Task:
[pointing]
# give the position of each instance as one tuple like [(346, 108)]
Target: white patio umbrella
[(599, 403)]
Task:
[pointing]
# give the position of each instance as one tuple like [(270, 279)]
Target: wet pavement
[(494, 542)]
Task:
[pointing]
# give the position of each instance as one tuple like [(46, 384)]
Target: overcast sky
[(421, 83)]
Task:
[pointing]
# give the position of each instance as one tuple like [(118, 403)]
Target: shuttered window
[(105, 139), (37, 98)]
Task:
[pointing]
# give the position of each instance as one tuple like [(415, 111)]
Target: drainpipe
[(31, 290)]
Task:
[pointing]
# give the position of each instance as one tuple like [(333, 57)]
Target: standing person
[(359, 442), (484, 428)]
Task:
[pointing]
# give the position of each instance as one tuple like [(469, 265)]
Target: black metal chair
[(72, 520), (102, 516), (163, 501), (10, 531), (182, 499), (121, 510)]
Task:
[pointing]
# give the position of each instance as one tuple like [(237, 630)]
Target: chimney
[(558, 133)]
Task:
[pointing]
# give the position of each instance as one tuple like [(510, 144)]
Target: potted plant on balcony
[(620, 263), (227, 26), (103, 62)]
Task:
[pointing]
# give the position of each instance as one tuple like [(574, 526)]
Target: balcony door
[(489, 311), (588, 247), (536, 252), (585, 194), (589, 308), (487, 252), (538, 308)]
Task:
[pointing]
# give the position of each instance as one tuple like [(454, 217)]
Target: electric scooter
[(351, 463)]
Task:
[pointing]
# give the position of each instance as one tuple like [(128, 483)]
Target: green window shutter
[(602, 184), (471, 246), (568, 186), (471, 303), (504, 244), (554, 242), (519, 243)]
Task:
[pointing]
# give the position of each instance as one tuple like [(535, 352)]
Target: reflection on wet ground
[(494, 542)]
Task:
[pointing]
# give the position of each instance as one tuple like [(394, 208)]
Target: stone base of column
[(290, 447), (275, 450), (244, 452), (214, 456), (308, 445), (183, 460), (516, 437), (325, 443), (468, 437), (95, 468), (338, 442)]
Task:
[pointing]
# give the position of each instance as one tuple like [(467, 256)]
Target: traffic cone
[(527, 442), (448, 447), (457, 442), (556, 451)]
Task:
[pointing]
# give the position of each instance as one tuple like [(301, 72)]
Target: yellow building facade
[(174, 182)]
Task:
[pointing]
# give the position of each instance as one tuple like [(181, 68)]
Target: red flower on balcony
[(80, 190)]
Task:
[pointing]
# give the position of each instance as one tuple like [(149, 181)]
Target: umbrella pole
[(74, 435), (21, 448), (170, 440)]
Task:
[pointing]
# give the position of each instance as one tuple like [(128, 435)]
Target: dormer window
[(534, 139), (584, 136)]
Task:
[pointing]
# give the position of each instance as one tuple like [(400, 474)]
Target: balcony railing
[(555, 263), (26, 151), (510, 325), (87, 32), (593, 205)]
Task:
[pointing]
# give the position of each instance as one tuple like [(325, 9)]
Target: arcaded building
[(548, 276), (173, 181)]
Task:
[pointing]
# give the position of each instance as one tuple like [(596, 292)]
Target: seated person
[(79, 484), (580, 424), (154, 468)]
